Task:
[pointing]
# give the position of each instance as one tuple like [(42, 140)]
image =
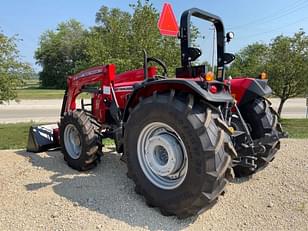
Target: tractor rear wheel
[(177, 154), (79, 141), (262, 120)]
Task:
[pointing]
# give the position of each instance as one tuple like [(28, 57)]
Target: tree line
[(118, 37)]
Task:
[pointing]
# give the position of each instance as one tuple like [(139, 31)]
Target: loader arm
[(76, 84)]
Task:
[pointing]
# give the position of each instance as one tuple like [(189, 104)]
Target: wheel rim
[(72, 141), (162, 155)]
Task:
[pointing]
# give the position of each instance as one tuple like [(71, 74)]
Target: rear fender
[(147, 89), (244, 90)]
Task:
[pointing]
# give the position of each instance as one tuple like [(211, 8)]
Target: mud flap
[(43, 137)]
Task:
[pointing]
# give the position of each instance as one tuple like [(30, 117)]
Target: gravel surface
[(40, 192)]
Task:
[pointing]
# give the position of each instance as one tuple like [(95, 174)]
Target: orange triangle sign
[(167, 23)]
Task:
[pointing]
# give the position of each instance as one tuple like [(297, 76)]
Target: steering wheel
[(147, 59), (160, 63)]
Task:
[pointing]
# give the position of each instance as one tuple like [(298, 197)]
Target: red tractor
[(182, 137)]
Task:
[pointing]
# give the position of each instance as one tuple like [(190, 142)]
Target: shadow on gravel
[(241, 180), (105, 189)]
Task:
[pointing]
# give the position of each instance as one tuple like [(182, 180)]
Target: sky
[(251, 21)]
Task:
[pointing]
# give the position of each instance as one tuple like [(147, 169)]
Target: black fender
[(260, 87), (257, 88), (147, 89)]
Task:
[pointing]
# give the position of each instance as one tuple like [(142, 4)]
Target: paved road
[(294, 108), (49, 110), (31, 110)]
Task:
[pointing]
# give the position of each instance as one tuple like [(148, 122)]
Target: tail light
[(213, 89)]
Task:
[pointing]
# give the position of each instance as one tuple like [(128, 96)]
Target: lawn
[(15, 136), (31, 90), (37, 93), (297, 128)]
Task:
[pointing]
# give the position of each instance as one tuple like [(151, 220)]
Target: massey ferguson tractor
[(182, 137)]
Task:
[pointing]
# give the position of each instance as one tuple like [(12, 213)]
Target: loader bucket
[(43, 137)]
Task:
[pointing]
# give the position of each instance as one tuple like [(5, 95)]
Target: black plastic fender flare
[(148, 88), (257, 87)]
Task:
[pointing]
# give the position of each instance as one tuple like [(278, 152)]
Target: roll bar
[(185, 37)]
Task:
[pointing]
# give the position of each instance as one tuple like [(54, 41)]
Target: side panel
[(124, 83), (239, 87), (134, 75), (123, 91)]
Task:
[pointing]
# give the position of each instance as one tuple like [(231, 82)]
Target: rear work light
[(263, 75), (209, 76)]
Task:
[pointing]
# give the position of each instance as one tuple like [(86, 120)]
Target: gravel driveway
[(39, 192)]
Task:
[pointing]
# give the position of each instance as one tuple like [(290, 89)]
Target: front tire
[(262, 120), (79, 141), (169, 126)]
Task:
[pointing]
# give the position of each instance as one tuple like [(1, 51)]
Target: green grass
[(31, 83), (297, 128), (108, 142), (15, 136), (36, 93), (32, 91)]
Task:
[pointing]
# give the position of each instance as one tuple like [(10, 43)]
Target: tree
[(288, 66), (60, 53), (118, 37), (250, 61), (108, 41), (148, 37), (285, 60), (12, 70)]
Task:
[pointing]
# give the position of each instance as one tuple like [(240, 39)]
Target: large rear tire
[(79, 140), (177, 154), (262, 120)]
